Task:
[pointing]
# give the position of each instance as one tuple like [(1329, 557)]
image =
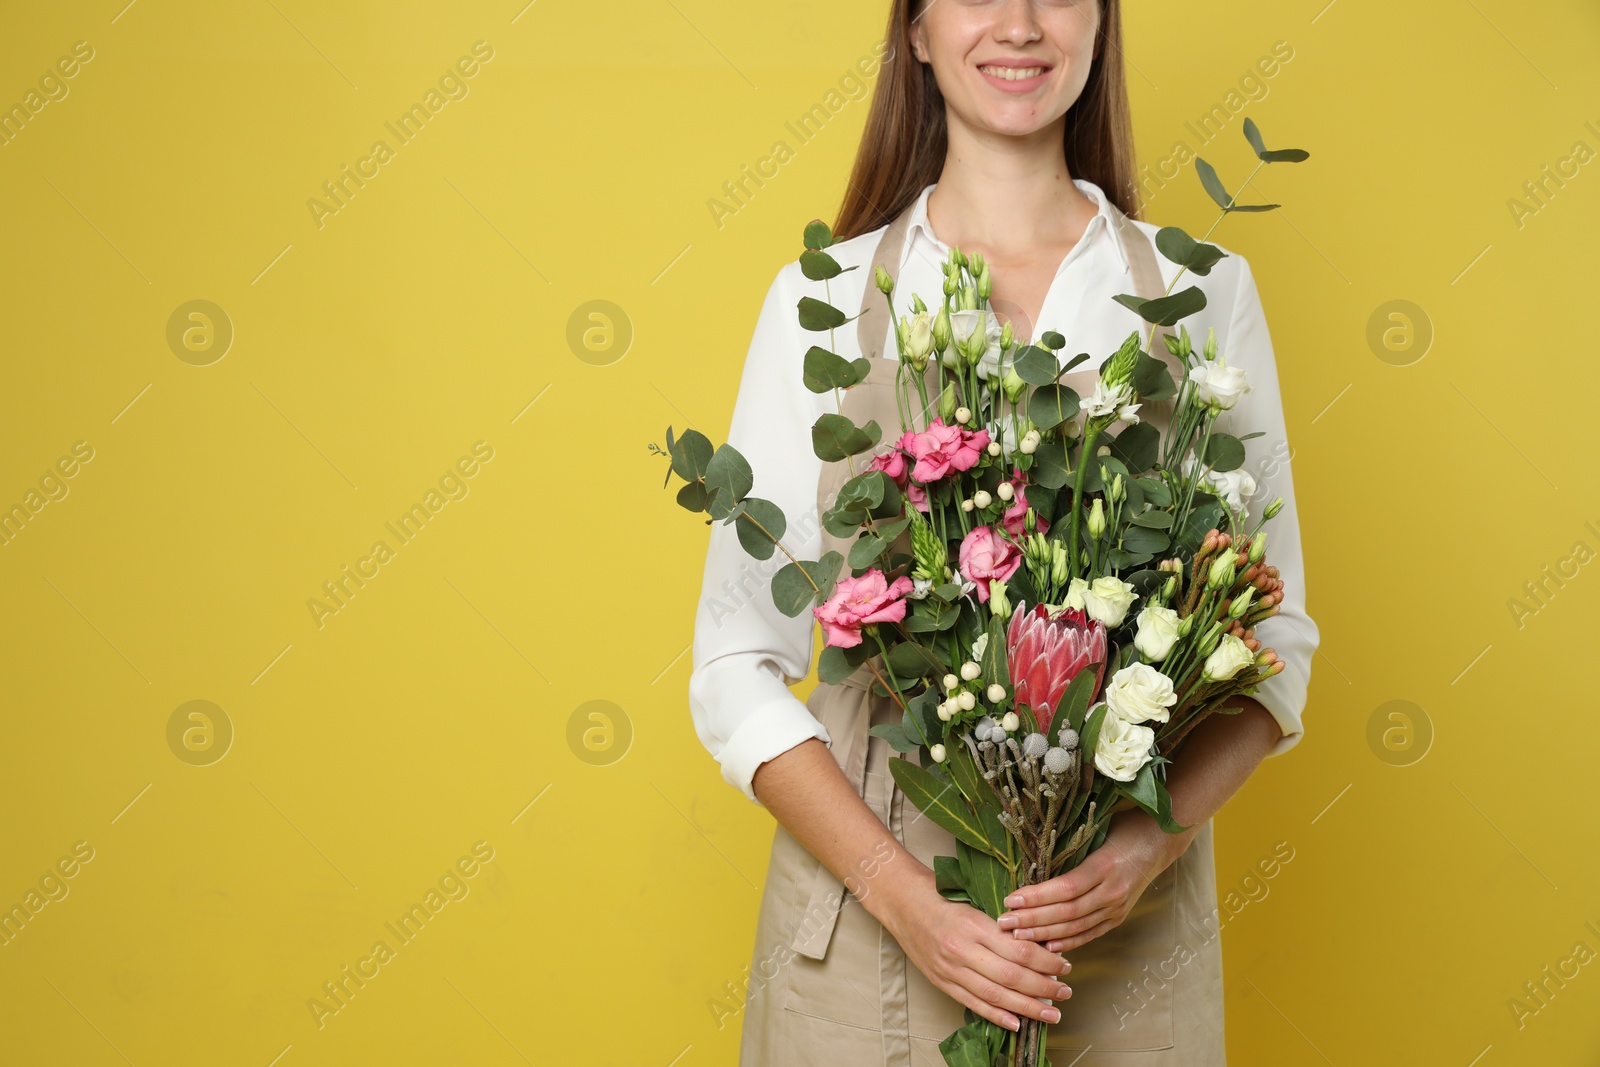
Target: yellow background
[(432, 711)]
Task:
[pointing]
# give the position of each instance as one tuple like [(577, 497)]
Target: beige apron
[(828, 985)]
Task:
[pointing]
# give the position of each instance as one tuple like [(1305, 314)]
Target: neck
[(1007, 194)]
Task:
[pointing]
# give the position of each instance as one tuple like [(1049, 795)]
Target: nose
[(1016, 22)]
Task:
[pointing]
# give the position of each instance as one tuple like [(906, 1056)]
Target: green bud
[(985, 283), (1097, 520), (1006, 336), (916, 303), (1211, 344), (1119, 368), (1058, 563), (1241, 603), (884, 282), (1013, 384), (927, 547), (1169, 590), (1258, 548), (999, 605), (1185, 625), (1116, 489), (941, 330), (947, 404), (950, 285), (1222, 572), (1274, 507)]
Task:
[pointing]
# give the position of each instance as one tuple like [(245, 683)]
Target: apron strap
[(872, 328)]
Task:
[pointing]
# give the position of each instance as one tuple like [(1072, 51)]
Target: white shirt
[(746, 653)]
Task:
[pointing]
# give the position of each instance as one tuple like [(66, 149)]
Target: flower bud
[(1258, 548), (1241, 603), (947, 402), (1117, 492), (999, 603), (970, 670), (950, 285), (884, 282), (1211, 343), (1007, 335), (1097, 520), (996, 693), (1185, 626), (1222, 571), (1058, 563), (985, 283), (1171, 588), (1274, 507), (1013, 384)]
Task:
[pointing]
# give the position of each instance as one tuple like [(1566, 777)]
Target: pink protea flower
[(985, 556), (858, 601), (941, 449), (1044, 652), (1015, 518)]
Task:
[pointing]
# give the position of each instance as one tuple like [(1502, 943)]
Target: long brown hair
[(903, 146)]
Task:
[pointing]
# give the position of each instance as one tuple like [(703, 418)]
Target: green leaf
[(988, 882), (1074, 702), (693, 496), (1137, 446), (1052, 463), (947, 872), (1052, 405), (1224, 452), (769, 515), (1213, 184), (728, 479), (909, 659), (1280, 155), (833, 437), (866, 550), (824, 370), (1155, 520), (1156, 492), (969, 1046), (1152, 380), (1052, 340), (1166, 310), (1142, 540), (836, 664), (1089, 736), (818, 235), (817, 315), (793, 593), (1185, 251), (993, 664), (691, 454), (940, 801), (819, 266), (1035, 365), (1151, 794), (896, 734)]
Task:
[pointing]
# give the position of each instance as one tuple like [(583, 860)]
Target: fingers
[(1054, 937), (1027, 922), (1079, 940), (988, 985)]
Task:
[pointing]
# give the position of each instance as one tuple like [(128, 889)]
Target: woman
[(1001, 127)]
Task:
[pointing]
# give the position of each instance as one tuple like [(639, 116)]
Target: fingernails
[(1064, 992), (1051, 1015), (1008, 922), (1026, 935), (1011, 1023), (1014, 900)]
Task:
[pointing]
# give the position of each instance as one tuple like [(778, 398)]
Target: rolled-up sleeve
[(1292, 633), (746, 653)]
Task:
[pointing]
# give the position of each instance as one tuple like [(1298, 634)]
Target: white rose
[(1158, 632), (1107, 600), (1105, 401), (1122, 748), (1230, 657), (1218, 385), (1140, 693)]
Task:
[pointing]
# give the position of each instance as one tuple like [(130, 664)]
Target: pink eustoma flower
[(985, 556), (941, 449), (858, 601), (1044, 652)]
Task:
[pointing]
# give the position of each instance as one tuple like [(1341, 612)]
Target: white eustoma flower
[(1107, 600), (1158, 632), (1009, 431), (979, 645), (1229, 658), (1105, 401), (919, 336), (1218, 385), (963, 324), (1140, 693), (1235, 486), (1122, 748)]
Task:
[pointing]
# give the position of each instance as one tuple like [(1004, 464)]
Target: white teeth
[(1012, 74)]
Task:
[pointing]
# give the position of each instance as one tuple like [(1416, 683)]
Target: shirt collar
[(1104, 220)]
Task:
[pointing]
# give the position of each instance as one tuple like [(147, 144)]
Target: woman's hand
[(970, 959), (1075, 908)]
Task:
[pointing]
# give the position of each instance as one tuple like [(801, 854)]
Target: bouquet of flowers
[(1075, 600)]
